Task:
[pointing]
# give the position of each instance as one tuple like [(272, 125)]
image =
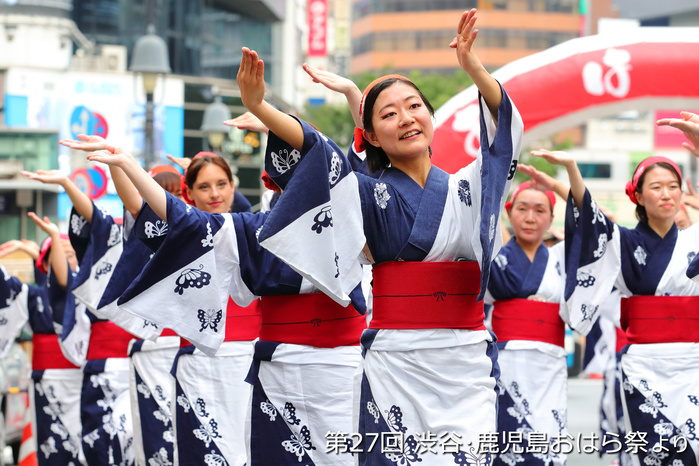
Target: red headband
[(359, 132), (158, 169), (182, 178), (45, 248), (528, 185), (633, 184)]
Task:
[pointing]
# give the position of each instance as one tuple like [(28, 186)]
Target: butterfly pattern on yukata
[(192, 278)]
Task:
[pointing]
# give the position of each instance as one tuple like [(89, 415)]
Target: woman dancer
[(648, 264), (429, 366)]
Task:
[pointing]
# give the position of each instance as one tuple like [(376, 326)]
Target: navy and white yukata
[(107, 430), (150, 384), (660, 366), (533, 372), (56, 381), (416, 382), (285, 401)]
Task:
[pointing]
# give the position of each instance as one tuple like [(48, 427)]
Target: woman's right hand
[(557, 157), (47, 225), (542, 180), (246, 121), (85, 143)]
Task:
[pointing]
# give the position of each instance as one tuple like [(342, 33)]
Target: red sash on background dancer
[(526, 319), (47, 354)]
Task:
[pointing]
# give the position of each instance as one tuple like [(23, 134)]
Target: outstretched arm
[(252, 92), (58, 260), (126, 191), (344, 86), (689, 124), (151, 191), (82, 203), (469, 61), (577, 185), (544, 181)]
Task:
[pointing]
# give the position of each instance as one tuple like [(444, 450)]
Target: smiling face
[(402, 124), (531, 216), (212, 191), (660, 193)]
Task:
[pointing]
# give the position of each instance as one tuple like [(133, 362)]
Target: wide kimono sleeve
[(186, 284), (316, 227), (693, 269), (593, 262), (14, 309), (483, 185), (134, 257), (71, 322), (101, 254)]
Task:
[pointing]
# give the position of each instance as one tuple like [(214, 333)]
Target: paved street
[(583, 417)]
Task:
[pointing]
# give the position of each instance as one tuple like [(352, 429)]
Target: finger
[(83, 137), (462, 21), (691, 189), (261, 70)]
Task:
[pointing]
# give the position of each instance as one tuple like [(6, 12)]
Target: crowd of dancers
[(345, 323)]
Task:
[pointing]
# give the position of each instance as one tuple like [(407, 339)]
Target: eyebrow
[(413, 96)]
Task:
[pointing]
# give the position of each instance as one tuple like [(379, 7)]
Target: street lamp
[(150, 59), (212, 124)]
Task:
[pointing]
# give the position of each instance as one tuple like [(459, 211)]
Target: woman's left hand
[(86, 143), (251, 79), (463, 42)]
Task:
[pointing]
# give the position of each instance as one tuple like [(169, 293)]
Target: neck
[(528, 248), (661, 225), (418, 169)]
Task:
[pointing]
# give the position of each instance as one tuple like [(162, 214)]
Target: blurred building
[(405, 35)]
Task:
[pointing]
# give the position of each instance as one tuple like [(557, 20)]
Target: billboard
[(317, 28)]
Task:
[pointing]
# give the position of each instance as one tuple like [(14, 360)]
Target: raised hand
[(691, 198), (115, 156), (330, 80), (689, 124), (542, 180), (85, 143), (251, 79), (182, 162), (557, 157), (46, 176), (46, 224), (246, 121), (463, 42)]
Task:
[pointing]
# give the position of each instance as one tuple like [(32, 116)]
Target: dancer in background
[(56, 381), (648, 265)]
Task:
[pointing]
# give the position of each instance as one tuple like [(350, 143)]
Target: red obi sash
[(418, 295), (108, 340), (310, 319), (621, 340), (660, 319), (526, 319), (168, 332), (242, 323), (47, 354)]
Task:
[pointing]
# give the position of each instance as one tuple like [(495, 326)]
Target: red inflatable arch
[(588, 77)]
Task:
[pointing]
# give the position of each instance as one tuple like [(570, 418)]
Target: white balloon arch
[(588, 77)]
